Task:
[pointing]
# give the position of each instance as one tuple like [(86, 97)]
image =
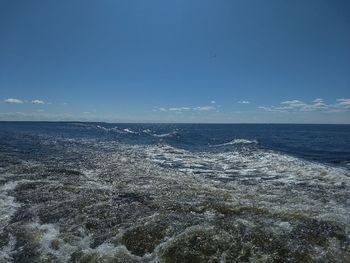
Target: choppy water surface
[(87, 192)]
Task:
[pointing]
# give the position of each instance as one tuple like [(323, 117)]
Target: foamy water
[(92, 200)]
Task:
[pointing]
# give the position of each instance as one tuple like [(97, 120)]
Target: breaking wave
[(170, 134), (116, 129), (237, 142), (129, 131)]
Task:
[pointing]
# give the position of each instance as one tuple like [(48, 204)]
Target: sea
[(103, 192)]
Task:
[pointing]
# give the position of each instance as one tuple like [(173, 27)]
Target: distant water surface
[(97, 192)]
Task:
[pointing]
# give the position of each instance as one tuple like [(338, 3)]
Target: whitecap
[(237, 141), (148, 131), (170, 134), (130, 131), (117, 130), (102, 128)]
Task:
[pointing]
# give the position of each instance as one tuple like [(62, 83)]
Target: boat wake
[(105, 201)]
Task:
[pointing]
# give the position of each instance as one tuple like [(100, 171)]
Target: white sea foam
[(102, 128), (49, 233), (237, 141), (7, 251), (204, 186), (117, 130), (170, 134), (147, 131), (8, 205), (162, 135), (259, 163), (130, 131), (46, 234)]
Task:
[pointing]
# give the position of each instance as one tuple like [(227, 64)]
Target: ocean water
[(97, 192)]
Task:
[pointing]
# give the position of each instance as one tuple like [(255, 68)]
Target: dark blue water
[(321, 143)]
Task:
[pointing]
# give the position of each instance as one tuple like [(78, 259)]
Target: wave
[(170, 134), (237, 141), (102, 128), (129, 131), (148, 131), (116, 129), (162, 135)]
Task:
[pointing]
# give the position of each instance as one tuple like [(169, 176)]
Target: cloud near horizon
[(344, 103), (182, 109), (204, 108), (19, 101), (179, 109), (38, 102), (316, 105), (14, 101)]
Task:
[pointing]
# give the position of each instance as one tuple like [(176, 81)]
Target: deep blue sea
[(98, 192)]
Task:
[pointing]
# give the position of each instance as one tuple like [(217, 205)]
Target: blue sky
[(175, 61)]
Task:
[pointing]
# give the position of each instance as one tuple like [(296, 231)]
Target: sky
[(234, 61)]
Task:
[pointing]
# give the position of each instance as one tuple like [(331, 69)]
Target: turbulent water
[(96, 192)]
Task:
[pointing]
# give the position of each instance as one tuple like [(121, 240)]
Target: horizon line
[(204, 123)]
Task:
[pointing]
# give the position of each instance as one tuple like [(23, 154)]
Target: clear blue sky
[(175, 61)]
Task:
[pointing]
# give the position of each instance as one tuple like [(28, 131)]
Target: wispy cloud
[(320, 104), (243, 102), (316, 105), (179, 109), (18, 101), (293, 104), (213, 102), (184, 109), (14, 101), (271, 108), (37, 102), (318, 100), (297, 105), (204, 108), (343, 103)]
